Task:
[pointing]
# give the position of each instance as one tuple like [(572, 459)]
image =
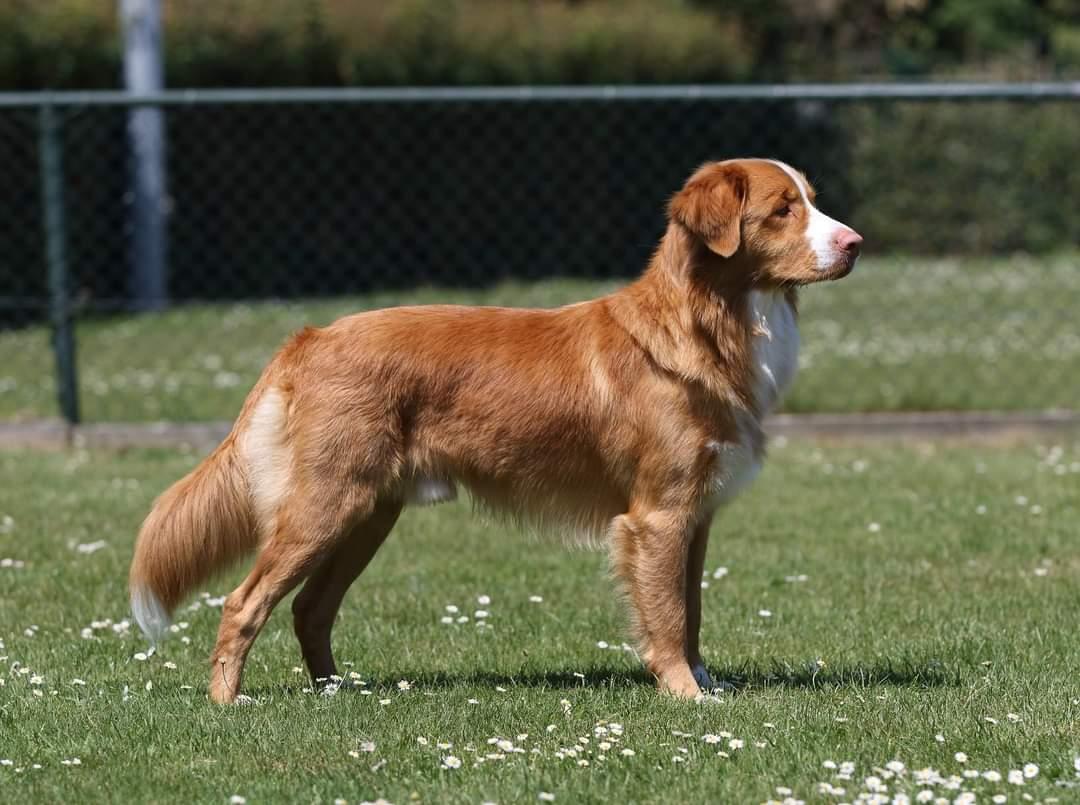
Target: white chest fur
[(776, 358), (776, 347)]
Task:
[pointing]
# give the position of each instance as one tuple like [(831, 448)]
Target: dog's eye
[(783, 212)]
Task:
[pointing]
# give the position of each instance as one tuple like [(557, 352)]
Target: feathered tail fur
[(200, 525)]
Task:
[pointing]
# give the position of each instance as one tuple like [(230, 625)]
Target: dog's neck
[(694, 316)]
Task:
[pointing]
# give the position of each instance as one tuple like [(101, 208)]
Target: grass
[(899, 334), (959, 606)]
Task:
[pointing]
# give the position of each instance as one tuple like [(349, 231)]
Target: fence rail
[(942, 91), (294, 205)]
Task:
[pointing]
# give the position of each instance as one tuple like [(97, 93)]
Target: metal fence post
[(60, 313), (144, 74)]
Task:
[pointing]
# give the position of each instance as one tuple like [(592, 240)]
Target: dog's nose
[(848, 240)]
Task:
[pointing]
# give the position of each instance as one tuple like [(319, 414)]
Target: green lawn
[(899, 334), (913, 594)]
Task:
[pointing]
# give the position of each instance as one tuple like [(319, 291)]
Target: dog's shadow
[(740, 680)]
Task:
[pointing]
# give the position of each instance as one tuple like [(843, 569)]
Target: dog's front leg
[(695, 568), (650, 554)]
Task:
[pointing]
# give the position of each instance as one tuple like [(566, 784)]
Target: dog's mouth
[(841, 268)]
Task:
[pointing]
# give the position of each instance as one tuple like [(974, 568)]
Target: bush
[(76, 43), (947, 178)]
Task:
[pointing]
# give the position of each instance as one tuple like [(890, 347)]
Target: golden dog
[(627, 419)]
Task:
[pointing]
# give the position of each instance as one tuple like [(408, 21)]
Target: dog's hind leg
[(306, 528), (651, 556), (317, 604)]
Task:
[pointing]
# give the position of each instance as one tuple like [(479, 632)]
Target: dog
[(626, 420)]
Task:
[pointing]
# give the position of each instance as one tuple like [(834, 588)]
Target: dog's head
[(760, 214)]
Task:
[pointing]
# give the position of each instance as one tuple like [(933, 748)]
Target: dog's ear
[(711, 206)]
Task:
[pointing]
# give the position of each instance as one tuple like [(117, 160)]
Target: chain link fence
[(283, 208)]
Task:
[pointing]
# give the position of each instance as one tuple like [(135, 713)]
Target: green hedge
[(966, 177), (75, 43)]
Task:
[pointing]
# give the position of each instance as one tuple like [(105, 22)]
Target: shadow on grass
[(746, 678)]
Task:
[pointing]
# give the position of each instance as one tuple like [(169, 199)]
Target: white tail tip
[(151, 616)]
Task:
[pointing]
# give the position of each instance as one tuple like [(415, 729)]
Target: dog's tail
[(201, 524)]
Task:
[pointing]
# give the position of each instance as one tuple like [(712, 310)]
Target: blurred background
[(176, 199)]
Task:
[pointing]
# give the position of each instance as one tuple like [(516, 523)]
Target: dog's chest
[(776, 347), (736, 463)]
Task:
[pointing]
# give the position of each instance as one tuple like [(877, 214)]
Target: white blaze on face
[(821, 230)]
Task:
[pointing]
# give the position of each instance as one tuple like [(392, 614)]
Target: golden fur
[(610, 418)]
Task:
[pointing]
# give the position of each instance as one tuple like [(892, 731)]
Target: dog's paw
[(701, 676)]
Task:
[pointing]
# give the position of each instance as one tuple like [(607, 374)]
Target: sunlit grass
[(899, 334), (911, 593)]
